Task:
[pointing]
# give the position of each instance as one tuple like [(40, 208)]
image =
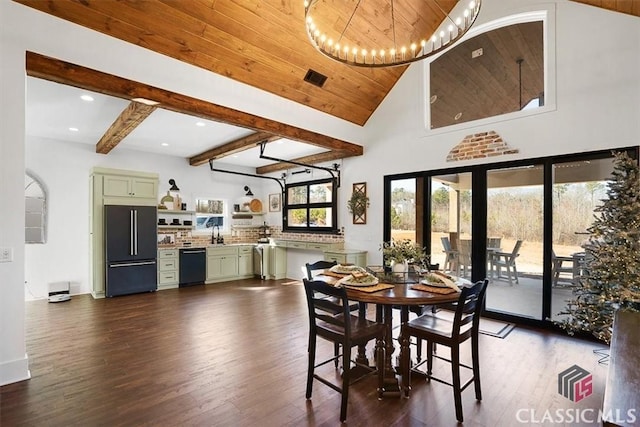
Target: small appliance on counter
[(264, 232)]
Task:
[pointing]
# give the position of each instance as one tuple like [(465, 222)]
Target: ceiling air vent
[(315, 78)]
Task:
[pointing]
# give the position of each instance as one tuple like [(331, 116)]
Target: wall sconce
[(248, 190), (174, 187)]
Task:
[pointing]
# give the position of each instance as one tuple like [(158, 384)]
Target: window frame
[(225, 215), (333, 205)]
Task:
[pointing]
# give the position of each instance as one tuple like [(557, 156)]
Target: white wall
[(597, 106), (64, 168)]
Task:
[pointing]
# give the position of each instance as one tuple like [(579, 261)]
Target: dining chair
[(312, 269), (450, 333), (508, 261), (558, 266), (345, 329)]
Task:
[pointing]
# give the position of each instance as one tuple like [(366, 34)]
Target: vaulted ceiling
[(260, 43)]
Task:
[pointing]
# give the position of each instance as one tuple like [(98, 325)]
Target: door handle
[(135, 234)]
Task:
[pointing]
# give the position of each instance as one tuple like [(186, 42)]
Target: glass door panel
[(578, 188), (407, 209), (515, 201), (451, 223)]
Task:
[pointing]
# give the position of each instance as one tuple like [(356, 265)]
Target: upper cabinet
[(128, 186)]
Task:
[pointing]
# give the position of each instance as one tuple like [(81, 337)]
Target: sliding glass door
[(523, 228)]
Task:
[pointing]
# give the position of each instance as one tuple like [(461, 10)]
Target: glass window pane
[(403, 209), (320, 193), (320, 217), (297, 217), (578, 188), (451, 222), (515, 201), (297, 195)]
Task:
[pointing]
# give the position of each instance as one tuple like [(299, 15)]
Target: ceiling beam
[(313, 159), (127, 121), (241, 144), (75, 75)]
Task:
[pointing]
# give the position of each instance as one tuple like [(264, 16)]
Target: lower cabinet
[(347, 256), (222, 263), (245, 261), (229, 263), (168, 268), (277, 263)]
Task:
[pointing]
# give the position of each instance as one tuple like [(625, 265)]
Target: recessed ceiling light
[(164, 144), (74, 129), (457, 116), (201, 124), (145, 101), (87, 98), (433, 98)]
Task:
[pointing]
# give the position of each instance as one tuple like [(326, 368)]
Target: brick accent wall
[(249, 235), (480, 145)]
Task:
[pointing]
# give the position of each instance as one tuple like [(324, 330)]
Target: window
[(492, 74), (210, 213), (311, 206), (35, 210)]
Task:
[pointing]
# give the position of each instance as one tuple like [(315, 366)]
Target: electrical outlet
[(6, 254)]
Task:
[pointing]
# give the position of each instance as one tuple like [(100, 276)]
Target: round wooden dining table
[(400, 295)]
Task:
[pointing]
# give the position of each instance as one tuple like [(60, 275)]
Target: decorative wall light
[(385, 33)]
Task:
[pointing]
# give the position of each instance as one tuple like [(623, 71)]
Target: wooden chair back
[(318, 265)]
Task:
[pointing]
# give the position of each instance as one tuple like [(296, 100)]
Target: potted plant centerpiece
[(398, 254)]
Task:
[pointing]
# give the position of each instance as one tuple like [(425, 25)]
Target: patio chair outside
[(506, 260), (451, 255)]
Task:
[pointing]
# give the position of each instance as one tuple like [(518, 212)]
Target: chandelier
[(386, 33)]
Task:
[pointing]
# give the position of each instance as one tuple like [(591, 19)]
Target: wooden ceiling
[(263, 44), (630, 7), (260, 43)]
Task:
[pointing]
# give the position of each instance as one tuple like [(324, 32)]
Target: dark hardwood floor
[(234, 354)]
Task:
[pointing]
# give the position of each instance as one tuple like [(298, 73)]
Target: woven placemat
[(332, 274), (433, 289), (369, 289)]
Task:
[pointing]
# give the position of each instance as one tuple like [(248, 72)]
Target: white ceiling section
[(53, 108)]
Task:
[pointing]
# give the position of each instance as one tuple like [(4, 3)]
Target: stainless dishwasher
[(193, 266)]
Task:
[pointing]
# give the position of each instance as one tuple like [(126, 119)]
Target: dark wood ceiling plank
[(312, 159), (134, 114), (240, 144), (86, 78)]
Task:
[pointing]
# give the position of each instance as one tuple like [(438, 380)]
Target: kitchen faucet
[(218, 239)]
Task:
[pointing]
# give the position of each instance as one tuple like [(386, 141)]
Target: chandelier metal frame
[(448, 32)]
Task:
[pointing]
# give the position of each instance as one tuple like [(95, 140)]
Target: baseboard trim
[(14, 371)]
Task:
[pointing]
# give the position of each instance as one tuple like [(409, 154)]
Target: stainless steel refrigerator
[(131, 249)]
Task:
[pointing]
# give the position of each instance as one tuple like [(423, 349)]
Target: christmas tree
[(612, 257)]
